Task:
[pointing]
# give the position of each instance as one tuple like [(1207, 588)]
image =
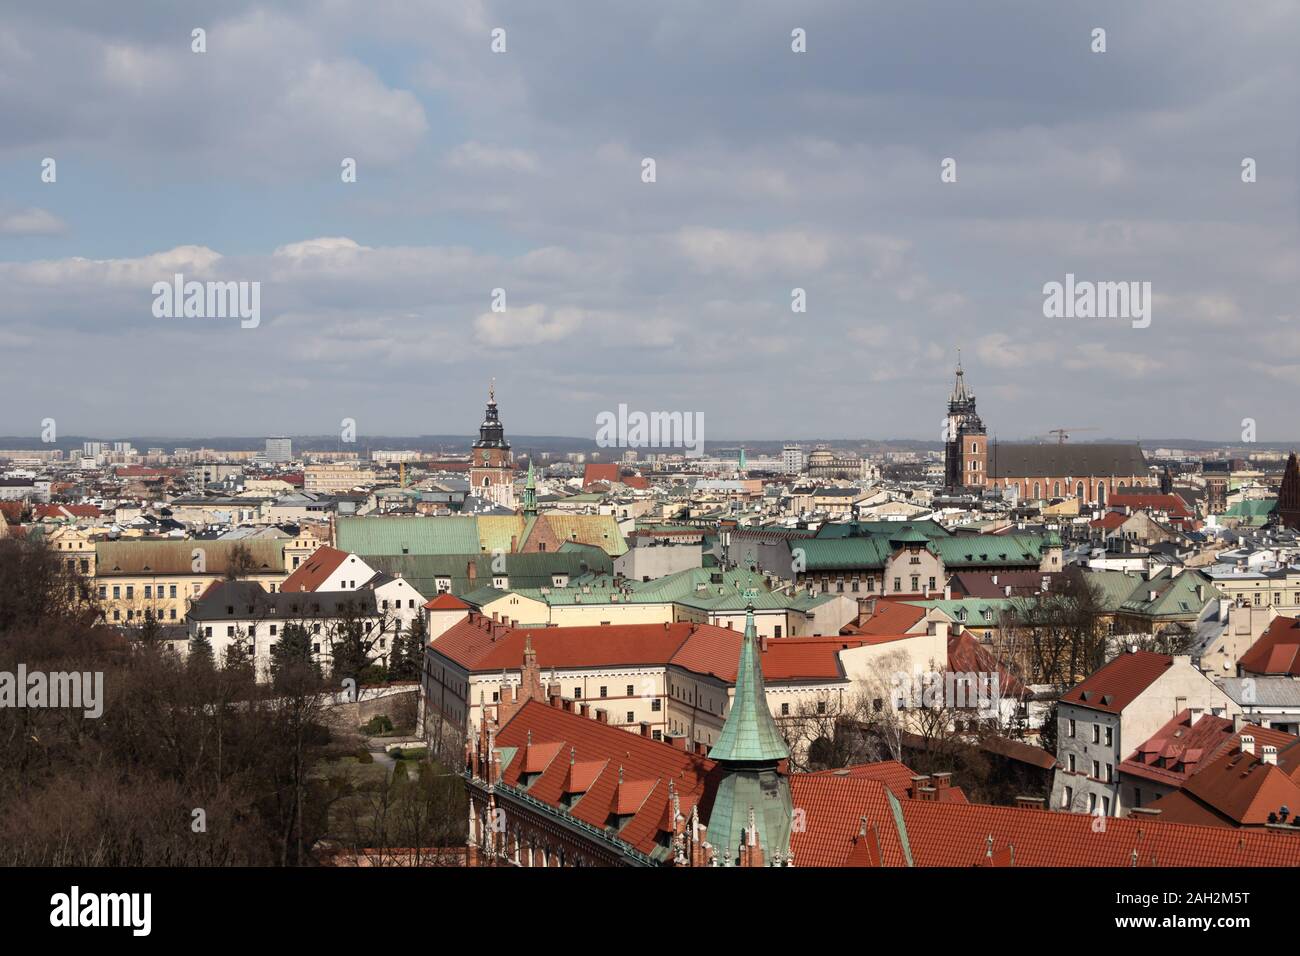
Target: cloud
[(530, 325), (30, 222)]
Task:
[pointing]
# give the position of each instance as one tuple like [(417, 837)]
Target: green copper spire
[(752, 805), (743, 463), (750, 733), (530, 490)]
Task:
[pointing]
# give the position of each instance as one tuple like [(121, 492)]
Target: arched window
[(974, 448), (1078, 492), (1056, 490), (1101, 492), (1037, 495)]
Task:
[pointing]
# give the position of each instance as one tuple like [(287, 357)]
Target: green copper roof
[(750, 733)]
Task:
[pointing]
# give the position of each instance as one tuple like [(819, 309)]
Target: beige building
[(137, 580), (336, 478)]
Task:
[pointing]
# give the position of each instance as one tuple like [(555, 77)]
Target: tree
[(201, 657), (239, 563), (291, 653), (407, 659)]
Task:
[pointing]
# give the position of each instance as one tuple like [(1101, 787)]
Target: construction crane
[(1063, 433)]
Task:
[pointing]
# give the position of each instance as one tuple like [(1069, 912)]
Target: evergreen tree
[(292, 650), (201, 656)]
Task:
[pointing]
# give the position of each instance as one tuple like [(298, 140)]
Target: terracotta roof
[(647, 767), (1171, 504), (832, 811), (479, 646), (1119, 683), (967, 655), (1179, 748), (716, 651), (898, 777), (1240, 788), (312, 573), (1109, 521), (1277, 651), (67, 511), (890, 617), (964, 834), (594, 472), (446, 601)]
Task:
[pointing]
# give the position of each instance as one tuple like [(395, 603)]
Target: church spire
[(530, 491), (752, 812), (750, 733)]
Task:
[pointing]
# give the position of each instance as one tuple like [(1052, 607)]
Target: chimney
[(1146, 811), (471, 571), (1031, 803), (1007, 590), (918, 782), (557, 701), (584, 709), (1247, 744), (675, 740), (602, 715), (995, 579), (947, 592), (645, 728), (942, 781), (1238, 722), (1269, 755)]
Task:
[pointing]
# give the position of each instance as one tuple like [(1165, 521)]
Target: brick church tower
[(966, 451), (1288, 496), (492, 472)]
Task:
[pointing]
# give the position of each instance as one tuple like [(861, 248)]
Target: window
[(103, 592), (1096, 733), (117, 592), (785, 710), (630, 717), (1096, 770), (821, 706), (577, 693), (916, 583), (230, 630), (1070, 762), (1067, 797), (130, 591), (932, 585), (1110, 773), (1110, 736), (171, 590), (631, 691), (604, 691), (1092, 803), (656, 735), (776, 630), (1105, 806), (898, 584), (656, 705), (148, 591)]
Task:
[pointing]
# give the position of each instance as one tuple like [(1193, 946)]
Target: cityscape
[(450, 438)]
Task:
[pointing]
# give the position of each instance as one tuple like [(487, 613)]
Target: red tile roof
[(312, 573), (1181, 748), (1240, 788), (1171, 504), (898, 777), (1119, 683), (478, 645), (600, 472), (1109, 521), (648, 766), (829, 817), (960, 834), (966, 655), (890, 617), (1277, 651), (67, 511), (716, 651), (446, 601)]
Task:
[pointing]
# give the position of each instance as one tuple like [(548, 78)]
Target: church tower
[(491, 473), (966, 451), (752, 813), (1288, 496)]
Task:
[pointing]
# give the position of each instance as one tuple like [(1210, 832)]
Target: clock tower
[(492, 473)]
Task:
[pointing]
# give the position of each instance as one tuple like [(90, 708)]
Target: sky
[(523, 171)]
